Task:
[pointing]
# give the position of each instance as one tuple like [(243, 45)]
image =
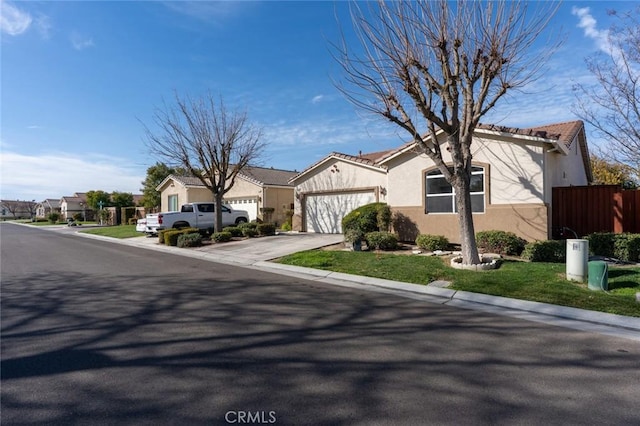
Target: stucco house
[(265, 193), (514, 171), (76, 203), (48, 206)]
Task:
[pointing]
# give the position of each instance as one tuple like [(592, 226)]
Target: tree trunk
[(465, 221), (218, 200)]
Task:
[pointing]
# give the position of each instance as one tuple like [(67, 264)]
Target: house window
[(441, 197), (173, 203)]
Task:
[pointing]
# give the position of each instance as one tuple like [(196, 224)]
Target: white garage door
[(324, 212), (247, 204)]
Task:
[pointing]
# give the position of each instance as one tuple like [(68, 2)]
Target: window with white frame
[(441, 196), (173, 203)]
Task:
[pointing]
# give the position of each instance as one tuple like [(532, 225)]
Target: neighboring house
[(48, 206), (514, 171), (265, 193), (76, 203), (14, 209)]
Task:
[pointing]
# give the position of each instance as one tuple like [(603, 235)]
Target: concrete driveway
[(249, 251)]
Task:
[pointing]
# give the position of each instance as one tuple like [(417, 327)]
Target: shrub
[(249, 232), (221, 237), (545, 251), (627, 247), (235, 231), (54, 217), (161, 235), (602, 243), (432, 242), (501, 242), (248, 225), (365, 218), (381, 240), (286, 226), (266, 229), (192, 239), (77, 217), (171, 237), (353, 235)]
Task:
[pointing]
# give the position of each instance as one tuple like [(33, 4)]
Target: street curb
[(435, 294), (631, 323)]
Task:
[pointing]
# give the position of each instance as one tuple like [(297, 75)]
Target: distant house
[(48, 206), (14, 209), (76, 203), (514, 171), (265, 193)]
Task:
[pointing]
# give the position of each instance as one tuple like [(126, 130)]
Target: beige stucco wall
[(529, 221), (185, 194), (565, 170), (335, 176), (514, 173), (280, 199)]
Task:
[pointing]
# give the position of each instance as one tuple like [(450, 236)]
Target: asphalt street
[(99, 333)]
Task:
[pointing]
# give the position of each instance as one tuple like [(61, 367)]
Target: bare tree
[(207, 140), (13, 206), (612, 104), (30, 207), (435, 68)]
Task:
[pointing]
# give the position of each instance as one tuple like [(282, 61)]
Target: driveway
[(249, 251)]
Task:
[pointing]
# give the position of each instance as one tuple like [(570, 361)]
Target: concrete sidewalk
[(256, 253)]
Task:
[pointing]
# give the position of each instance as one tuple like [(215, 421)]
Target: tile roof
[(268, 176), (257, 175), (564, 132)]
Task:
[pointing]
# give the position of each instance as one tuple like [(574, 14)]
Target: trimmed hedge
[(221, 237), (500, 242), (235, 231), (432, 242), (625, 247), (381, 240), (368, 218), (248, 225), (193, 239), (170, 236), (545, 251), (266, 229), (249, 232)]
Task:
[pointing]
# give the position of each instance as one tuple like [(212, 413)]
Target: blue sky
[(79, 80)]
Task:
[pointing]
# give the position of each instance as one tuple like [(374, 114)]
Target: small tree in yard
[(435, 68), (612, 104), (208, 141)]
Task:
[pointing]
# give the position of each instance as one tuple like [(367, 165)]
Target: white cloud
[(58, 174), (317, 99), (79, 41), (44, 26), (590, 26), (13, 21)]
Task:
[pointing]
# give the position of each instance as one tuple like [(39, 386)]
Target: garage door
[(247, 204), (324, 212)]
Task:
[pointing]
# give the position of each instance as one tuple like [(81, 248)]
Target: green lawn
[(120, 231), (540, 282)]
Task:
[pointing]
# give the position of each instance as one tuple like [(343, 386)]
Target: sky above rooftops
[(80, 80)]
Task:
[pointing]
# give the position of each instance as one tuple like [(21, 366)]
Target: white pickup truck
[(193, 215)]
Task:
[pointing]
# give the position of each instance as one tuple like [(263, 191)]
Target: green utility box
[(598, 276)]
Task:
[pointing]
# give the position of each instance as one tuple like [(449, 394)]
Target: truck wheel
[(180, 225), (240, 220)]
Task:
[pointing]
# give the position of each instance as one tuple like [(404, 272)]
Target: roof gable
[(370, 160)]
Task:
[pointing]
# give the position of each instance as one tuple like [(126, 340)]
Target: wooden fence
[(599, 208)]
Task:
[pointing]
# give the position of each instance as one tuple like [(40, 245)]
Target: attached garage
[(323, 213), (250, 205)]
